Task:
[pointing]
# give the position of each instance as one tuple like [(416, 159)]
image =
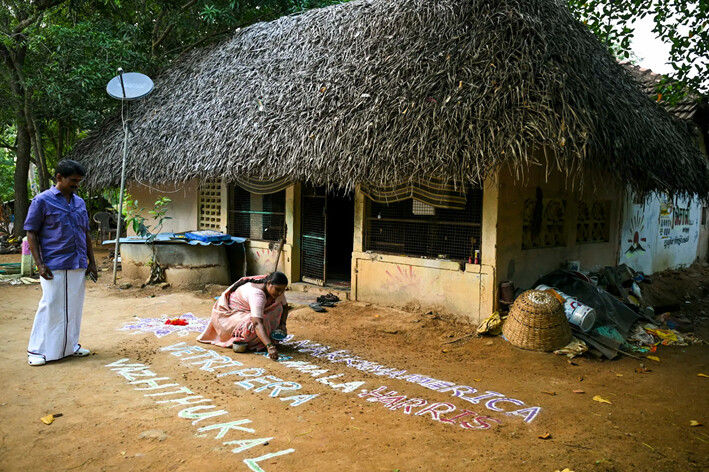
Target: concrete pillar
[(360, 223), (293, 212), (488, 246), (360, 226)]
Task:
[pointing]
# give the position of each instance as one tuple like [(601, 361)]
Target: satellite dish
[(129, 85), (125, 86)]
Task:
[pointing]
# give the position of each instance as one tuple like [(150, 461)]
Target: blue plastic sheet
[(172, 238)]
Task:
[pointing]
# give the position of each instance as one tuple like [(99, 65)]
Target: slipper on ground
[(81, 352), (317, 307), (36, 359)]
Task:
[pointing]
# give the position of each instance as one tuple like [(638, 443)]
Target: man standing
[(57, 228)]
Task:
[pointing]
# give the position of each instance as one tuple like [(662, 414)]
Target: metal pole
[(120, 201)]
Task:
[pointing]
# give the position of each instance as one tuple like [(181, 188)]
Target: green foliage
[(302, 5), (7, 182), (69, 67), (133, 215), (159, 213), (684, 24), (72, 48)]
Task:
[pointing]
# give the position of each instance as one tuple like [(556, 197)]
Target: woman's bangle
[(269, 345)]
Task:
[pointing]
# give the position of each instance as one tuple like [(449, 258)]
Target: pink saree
[(232, 313)]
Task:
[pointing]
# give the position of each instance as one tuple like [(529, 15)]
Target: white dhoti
[(55, 333)]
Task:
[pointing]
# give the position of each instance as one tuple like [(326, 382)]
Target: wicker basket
[(537, 322)]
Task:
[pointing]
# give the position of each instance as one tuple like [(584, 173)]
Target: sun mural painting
[(637, 225)]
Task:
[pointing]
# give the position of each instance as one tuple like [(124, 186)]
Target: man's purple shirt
[(61, 228)]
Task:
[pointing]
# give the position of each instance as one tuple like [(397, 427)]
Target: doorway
[(327, 234)]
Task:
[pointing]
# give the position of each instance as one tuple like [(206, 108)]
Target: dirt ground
[(134, 405)]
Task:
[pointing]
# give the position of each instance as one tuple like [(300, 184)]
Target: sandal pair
[(329, 298)]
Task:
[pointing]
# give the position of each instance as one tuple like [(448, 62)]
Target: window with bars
[(256, 217), (593, 222), (210, 205), (413, 228)]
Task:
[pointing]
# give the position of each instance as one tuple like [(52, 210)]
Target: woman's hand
[(264, 337), (272, 352)]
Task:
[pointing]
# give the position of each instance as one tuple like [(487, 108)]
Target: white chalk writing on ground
[(397, 402), (463, 392), (393, 401), (196, 406), (252, 378)]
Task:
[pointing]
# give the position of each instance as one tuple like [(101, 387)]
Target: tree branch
[(202, 40), (40, 8), (187, 5), (161, 38), (4, 144), (170, 27), (153, 36), (25, 23)]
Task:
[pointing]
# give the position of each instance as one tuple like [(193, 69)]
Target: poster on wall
[(674, 224), (665, 222)]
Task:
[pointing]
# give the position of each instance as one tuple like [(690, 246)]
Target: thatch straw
[(385, 91)]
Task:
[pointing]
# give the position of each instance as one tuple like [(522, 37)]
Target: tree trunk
[(37, 144), (40, 157), (60, 141), (22, 167), (68, 140)]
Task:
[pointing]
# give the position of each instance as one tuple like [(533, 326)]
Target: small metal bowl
[(239, 347), (278, 335)]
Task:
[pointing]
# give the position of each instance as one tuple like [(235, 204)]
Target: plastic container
[(27, 265), (573, 265), (576, 312), (507, 292)]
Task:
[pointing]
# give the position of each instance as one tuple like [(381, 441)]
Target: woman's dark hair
[(276, 278), (67, 168)]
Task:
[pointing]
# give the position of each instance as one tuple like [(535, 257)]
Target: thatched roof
[(385, 91)]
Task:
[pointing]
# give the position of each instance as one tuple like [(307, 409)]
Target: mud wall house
[(395, 141)]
